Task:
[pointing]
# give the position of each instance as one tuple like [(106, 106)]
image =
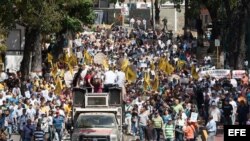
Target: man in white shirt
[(234, 83), (138, 22), (33, 100), (234, 105), (144, 22), (132, 21), (2, 98), (16, 90), (19, 110), (84, 73), (215, 112), (31, 112), (68, 78), (120, 81), (139, 102), (109, 79), (211, 129)]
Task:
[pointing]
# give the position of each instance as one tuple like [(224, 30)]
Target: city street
[(219, 137)]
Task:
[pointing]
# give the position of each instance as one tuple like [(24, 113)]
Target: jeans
[(178, 135), (233, 117), (134, 127), (211, 136), (227, 120), (128, 122), (170, 139), (59, 133), (158, 133), (142, 132), (9, 130)]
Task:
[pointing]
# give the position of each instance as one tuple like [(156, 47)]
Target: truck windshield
[(95, 121)]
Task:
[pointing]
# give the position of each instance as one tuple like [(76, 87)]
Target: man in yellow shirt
[(158, 125)]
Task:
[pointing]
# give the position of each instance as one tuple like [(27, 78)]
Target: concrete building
[(106, 13)]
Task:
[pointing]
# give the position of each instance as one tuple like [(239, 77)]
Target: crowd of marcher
[(165, 98)]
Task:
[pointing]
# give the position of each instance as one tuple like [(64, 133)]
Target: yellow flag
[(66, 57), (59, 86), (180, 64), (87, 57), (162, 64), (194, 73), (73, 60), (130, 74), (54, 71), (62, 73), (146, 82), (50, 58), (152, 66), (124, 64), (70, 68), (169, 69), (155, 85), (105, 63)]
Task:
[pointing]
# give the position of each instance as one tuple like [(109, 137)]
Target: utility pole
[(123, 13), (153, 17), (186, 11)]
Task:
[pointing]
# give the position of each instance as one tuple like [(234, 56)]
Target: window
[(96, 121)]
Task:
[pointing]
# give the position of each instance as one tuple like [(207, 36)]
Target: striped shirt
[(158, 122), (169, 131), (39, 135)]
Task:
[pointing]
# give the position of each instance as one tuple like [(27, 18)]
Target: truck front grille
[(94, 138)]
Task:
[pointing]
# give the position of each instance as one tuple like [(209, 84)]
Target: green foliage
[(3, 47), (46, 15), (82, 10)]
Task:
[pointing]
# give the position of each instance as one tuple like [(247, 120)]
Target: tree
[(41, 17), (226, 15)]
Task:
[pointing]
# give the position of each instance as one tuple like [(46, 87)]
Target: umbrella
[(174, 76), (99, 57)]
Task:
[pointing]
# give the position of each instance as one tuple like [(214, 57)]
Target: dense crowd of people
[(165, 98)]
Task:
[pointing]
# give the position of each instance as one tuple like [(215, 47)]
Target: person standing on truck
[(58, 121), (109, 80), (120, 81)]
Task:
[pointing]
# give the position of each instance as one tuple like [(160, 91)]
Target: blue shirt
[(14, 100), (166, 118), (58, 122), (28, 131), (211, 126)]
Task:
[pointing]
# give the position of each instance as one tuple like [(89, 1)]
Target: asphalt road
[(16, 137), (219, 137)]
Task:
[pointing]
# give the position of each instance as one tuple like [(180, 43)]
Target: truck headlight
[(113, 137)]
